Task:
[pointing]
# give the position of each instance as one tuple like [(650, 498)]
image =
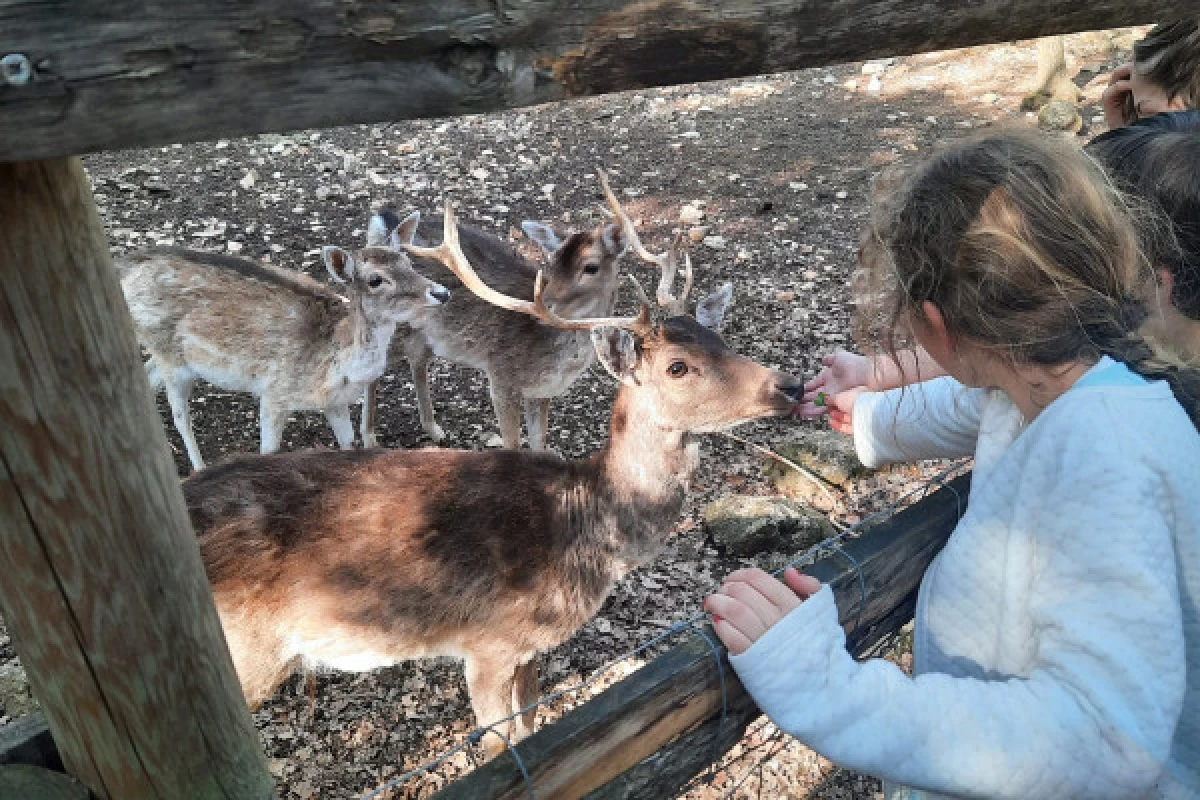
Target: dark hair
[(1169, 56), (1163, 168), (1025, 247)]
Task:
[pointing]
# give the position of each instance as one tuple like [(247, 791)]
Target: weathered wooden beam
[(28, 741), (648, 735), (104, 592), (25, 782), (106, 74)]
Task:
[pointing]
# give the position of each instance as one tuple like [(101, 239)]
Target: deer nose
[(793, 391), (439, 294)]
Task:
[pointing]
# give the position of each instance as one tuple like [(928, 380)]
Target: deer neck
[(647, 469), (365, 338)]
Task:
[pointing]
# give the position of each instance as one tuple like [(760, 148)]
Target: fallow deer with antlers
[(357, 560), (528, 363)]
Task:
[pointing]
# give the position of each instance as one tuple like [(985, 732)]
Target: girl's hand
[(843, 372), (750, 602), (841, 410), (1116, 98)]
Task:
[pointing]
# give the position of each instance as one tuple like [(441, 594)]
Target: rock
[(492, 441), (690, 215), (875, 85), (745, 525), (989, 98), (249, 179), (714, 242), (15, 698), (1059, 115), (829, 454), (696, 234), (155, 186)]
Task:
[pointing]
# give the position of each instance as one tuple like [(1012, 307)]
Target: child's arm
[(934, 419), (1093, 717), (844, 372)]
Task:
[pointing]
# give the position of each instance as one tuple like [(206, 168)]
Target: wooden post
[(103, 589), (648, 735)]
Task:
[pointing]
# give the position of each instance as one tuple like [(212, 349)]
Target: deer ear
[(613, 239), (617, 352), (339, 263), (378, 228), (405, 232), (543, 234), (710, 312)]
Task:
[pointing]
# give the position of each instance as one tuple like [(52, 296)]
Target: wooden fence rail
[(648, 735), (87, 75)]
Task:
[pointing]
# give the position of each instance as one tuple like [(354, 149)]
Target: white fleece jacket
[(1057, 646)]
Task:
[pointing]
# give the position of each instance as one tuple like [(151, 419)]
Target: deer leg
[(419, 356), (490, 685), (537, 420), (179, 393), (343, 426), (271, 421), (507, 403), (367, 422), (525, 692)]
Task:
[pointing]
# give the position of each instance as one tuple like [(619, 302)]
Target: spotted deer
[(528, 363), (251, 327), (356, 560)]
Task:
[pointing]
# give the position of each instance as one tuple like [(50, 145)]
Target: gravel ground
[(781, 167)]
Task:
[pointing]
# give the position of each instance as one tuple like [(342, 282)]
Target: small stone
[(493, 441), (785, 297), (249, 179), (690, 215), (714, 242), (234, 247), (16, 700), (841, 195), (989, 98), (696, 234), (797, 186), (480, 174), (1059, 115), (746, 525), (690, 134), (322, 192), (874, 85), (548, 189), (155, 186)]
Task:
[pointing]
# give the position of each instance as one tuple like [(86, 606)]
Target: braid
[(1153, 362)]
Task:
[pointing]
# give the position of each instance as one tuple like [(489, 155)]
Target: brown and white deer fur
[(356, 560), (252, 327), (527, 363)]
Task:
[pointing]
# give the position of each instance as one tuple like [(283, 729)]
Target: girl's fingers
[(817, 382), (736, 641), (809, 409), (805, 586), (1121, 73), (828, 359), (736, 614), (770, 589), (754, 599)]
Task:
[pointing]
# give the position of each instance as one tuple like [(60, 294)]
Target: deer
[(527, 362), (248, 326), (353, 560)]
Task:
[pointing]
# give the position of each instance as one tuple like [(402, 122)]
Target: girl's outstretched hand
[(843, 372), (751, 601)]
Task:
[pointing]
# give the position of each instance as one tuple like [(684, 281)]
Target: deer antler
[(450, 253), (667, 262)]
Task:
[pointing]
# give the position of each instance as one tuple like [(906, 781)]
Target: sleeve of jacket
[(1093, 718), (935, 419)]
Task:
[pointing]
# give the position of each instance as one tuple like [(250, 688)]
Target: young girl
[(1057, 639)]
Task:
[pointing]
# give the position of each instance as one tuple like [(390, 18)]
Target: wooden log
[(118, 73), (28, 741), (104, 592), (25, 782), (648, 735)]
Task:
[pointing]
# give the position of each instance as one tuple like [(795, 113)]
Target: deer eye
[(677, 369), (375, 281), (591, 269)]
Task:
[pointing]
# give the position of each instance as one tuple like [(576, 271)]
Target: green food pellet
[(820, 401)]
